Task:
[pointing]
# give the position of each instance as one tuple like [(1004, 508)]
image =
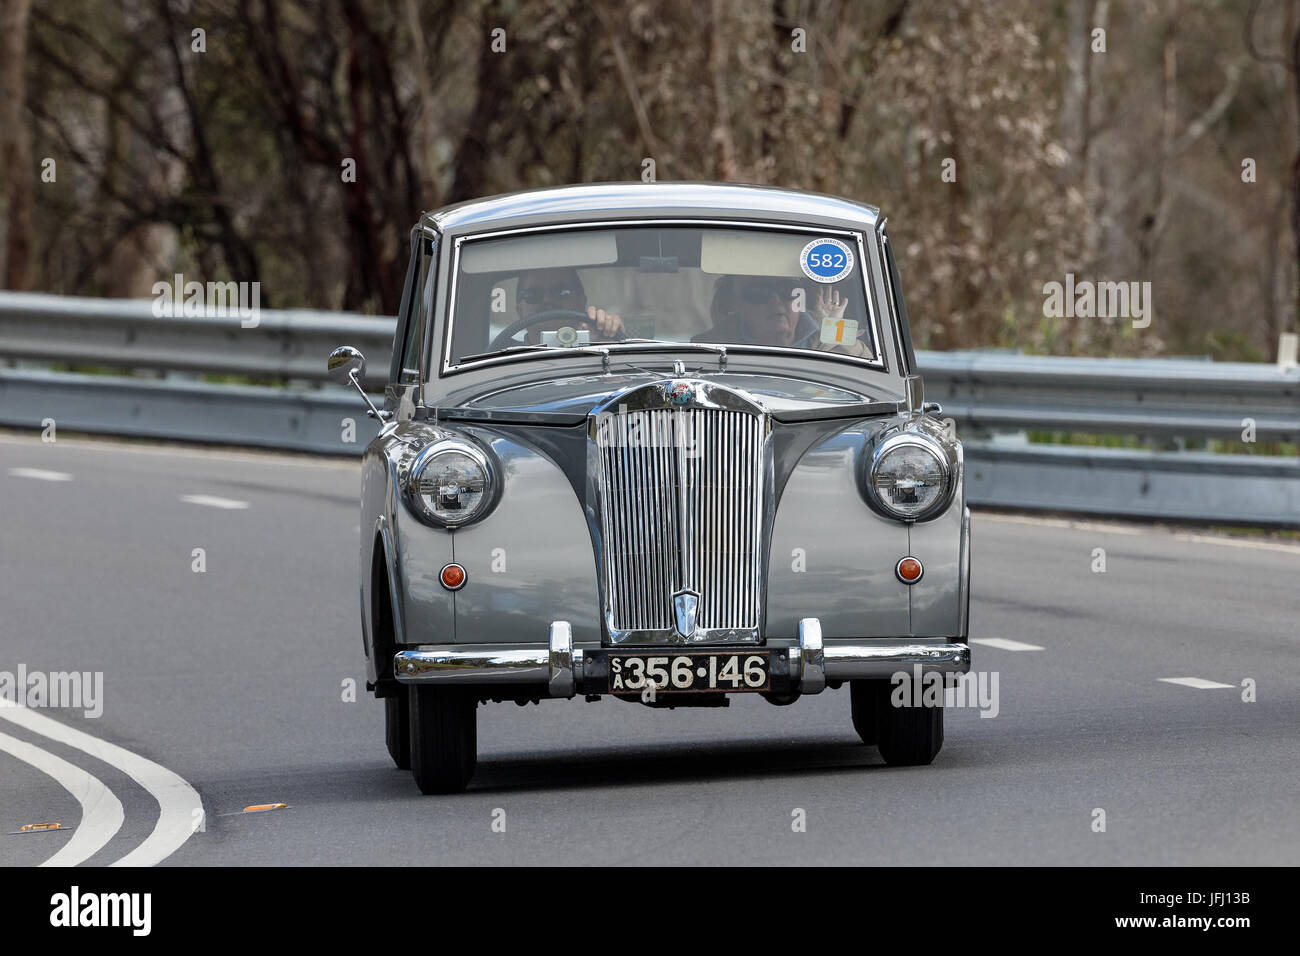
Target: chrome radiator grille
[(682, 509)]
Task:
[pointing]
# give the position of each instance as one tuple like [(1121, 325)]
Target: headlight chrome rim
[(946, 459), (426, 458)]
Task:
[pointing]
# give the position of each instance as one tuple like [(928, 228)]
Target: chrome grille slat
[(649, 487)]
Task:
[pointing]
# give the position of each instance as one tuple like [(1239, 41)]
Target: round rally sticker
[(826, 260)]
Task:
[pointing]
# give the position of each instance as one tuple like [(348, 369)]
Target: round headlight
[(451, 484), (910, 477)]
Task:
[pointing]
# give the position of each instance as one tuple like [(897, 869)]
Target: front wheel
[(863, 702), (444, 738), (397, 728), (907, 735)]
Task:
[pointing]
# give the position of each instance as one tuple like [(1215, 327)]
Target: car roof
[(636, 200)]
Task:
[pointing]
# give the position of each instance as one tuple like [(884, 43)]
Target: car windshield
[(734, 286)]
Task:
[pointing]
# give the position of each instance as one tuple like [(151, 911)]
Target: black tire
[(907, 736), (444, 739), (397, 728), (864, 709)]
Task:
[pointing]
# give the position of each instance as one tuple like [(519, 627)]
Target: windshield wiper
[(603, 349), (516, 349), (719, 350)]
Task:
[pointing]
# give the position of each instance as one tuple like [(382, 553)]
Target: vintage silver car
[(660, 442)]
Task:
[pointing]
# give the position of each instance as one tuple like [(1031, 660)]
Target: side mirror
[(346, 366)]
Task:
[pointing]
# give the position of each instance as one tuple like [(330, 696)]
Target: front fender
[(833, 557)]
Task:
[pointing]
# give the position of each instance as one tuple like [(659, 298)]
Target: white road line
[(177, 800), (101, 812), (213, 502), (1197, 682), (1136, 529), (162, 447), (1073, 525), (1240, 543), (40, 474), (1003, 644)]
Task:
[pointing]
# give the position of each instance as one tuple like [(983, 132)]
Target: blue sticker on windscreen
[(826, 260)]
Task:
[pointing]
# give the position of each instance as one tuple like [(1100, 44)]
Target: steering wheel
[(509, 332)]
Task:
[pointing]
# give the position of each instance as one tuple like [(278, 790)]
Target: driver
[(545, 290), (760, 310)]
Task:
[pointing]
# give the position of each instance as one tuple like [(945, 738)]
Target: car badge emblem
[(679, 393), (685, 605)]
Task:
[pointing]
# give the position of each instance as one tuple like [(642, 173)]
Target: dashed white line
[(212, 501), (1197, 682), (179, 805), (40, 474), (1005, 644), (101, 812)]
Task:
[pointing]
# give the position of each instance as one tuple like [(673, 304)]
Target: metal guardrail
[(124, 333), (1192, 399), (983, 393)]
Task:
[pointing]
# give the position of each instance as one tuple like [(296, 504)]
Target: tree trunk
[(724, 147), (15, 143), (1295, 167)]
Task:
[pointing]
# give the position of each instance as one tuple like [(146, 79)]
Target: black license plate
[(690, 672)]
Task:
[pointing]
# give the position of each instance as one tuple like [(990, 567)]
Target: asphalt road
[(227, 687)]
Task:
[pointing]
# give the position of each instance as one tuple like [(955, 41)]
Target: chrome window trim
[(882, 240), (420, 298), (856, 235)]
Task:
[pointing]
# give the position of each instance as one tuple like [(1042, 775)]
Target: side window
[(418, 308)]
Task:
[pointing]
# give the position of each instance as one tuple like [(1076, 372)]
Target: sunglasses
[(536, 295), (756, 293)]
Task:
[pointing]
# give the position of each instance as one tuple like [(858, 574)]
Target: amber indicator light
[(909, 570), (453, 577)]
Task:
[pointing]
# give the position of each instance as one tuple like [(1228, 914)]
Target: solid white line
[(101, 812), (1197, 682), (213, 502), (40, 474), (1073, 525), (1240, 543), (1134, 529), (1003, 644), (177, 800)]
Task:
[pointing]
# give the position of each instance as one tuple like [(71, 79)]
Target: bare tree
[(15, 143)]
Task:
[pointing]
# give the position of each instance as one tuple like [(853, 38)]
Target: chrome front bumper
[(559, 666), (556, 665)]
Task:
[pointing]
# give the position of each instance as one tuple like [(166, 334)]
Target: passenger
[(760, 310)]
